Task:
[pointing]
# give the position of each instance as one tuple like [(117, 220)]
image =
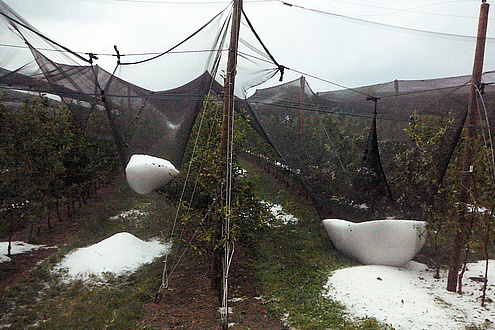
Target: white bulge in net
[(146, 174), (378, 242)]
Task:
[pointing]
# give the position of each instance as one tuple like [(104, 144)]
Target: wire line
[(385, 25)]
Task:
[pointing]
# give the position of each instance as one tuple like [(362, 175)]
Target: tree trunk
[(57, 209), (11, 232)]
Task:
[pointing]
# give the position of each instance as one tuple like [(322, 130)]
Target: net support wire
[(480, 90), (166, 274), (229, 243)]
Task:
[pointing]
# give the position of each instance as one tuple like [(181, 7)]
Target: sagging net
[(350, 158), (106, 105), (359, 164)]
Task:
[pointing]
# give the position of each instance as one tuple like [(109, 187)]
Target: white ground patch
[(129, 214), (17, 247), (278, 212), (119, 254), (411, 298)]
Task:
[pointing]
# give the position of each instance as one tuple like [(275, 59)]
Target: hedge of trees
[(442, 213), (201, 190), (412, 167), (47, 165)]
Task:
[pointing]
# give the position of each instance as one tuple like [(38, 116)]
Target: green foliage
[(420, 168), (203, 200), (294, 263), (323, 149), (46, 160), (41, 300), (416, 172)]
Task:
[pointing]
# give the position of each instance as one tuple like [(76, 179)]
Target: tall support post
[(465, 219), (220, 274), (302, 94), (121, 149), (228, 103)]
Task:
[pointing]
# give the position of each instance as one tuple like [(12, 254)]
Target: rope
[(26, 26), (490, 149), (206, 104), (180, 43), (229, 245), (389, 26), (166, 275), (281, 68)]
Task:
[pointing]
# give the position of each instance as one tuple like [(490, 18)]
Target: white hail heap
[(146, 174), (119, 254), (378, 242)]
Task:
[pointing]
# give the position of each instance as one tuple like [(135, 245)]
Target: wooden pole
[(225, 145), (465, 218), (228, 103), (11, 232), (302, 94)]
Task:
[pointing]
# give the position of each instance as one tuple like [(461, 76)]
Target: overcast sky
[(340, 46)]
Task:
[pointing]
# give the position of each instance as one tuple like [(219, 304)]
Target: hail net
[(104, 101), (349, 158)]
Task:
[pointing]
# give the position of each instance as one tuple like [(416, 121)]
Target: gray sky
[(334, 47)]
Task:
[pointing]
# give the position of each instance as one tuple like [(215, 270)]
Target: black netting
[(106, 105), (370, 185), (357, 166), (354, 164)]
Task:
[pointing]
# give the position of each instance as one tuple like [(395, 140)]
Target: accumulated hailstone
[(146, 174), (278, 212), (413, 297), (378, 242), (17, 247), (118, 254)]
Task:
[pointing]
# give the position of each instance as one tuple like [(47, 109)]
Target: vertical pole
[(302, 94), (228, 104), (10, 211), (113, 125), (465, 219), (225, 148)]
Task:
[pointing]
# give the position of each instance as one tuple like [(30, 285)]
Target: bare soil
[(189, 303), (53, 238)]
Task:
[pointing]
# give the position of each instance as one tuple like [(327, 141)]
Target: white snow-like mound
[(17, 247), (146, 174), (279, 213), (411, 298), (118, 254), (378, 242)]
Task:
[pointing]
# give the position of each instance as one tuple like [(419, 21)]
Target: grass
[(292, 264), (41, 300), (295, 261)]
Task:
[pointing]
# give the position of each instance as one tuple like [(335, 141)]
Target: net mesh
[(353, 160), (350, 159), (106, 105)]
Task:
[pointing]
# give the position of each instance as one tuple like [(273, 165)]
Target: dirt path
[(60, 233), (189, 304)]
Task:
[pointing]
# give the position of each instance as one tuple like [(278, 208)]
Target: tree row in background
[(47, 166), (326, 150)]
